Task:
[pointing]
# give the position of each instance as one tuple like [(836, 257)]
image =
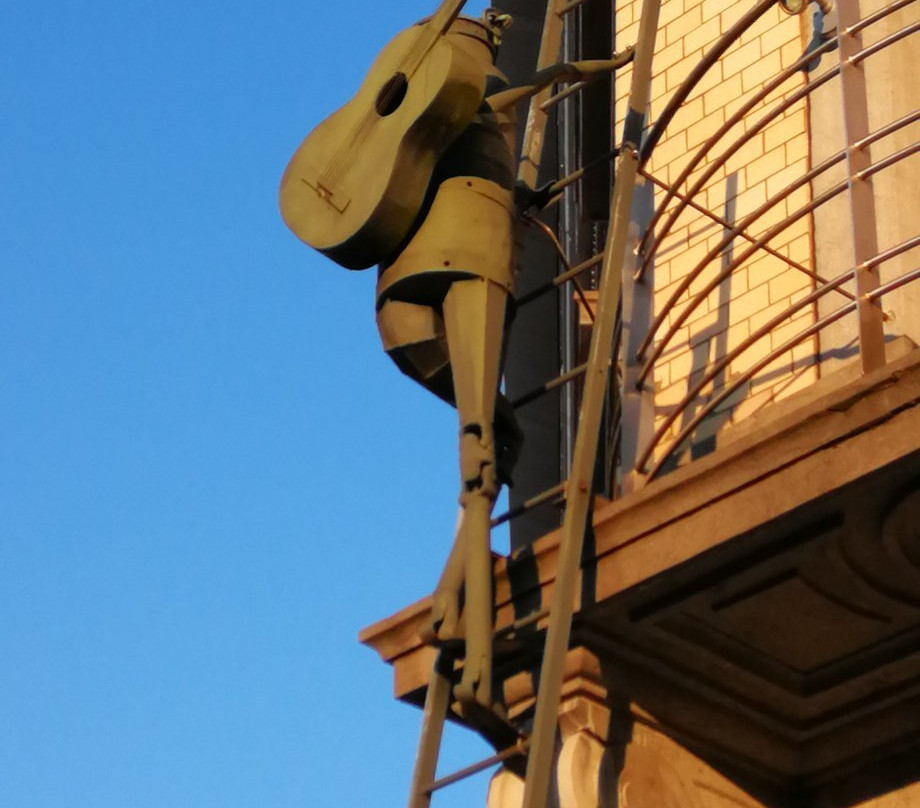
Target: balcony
[(750, 587)]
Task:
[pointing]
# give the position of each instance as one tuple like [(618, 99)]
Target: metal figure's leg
[(474, 319), (443, 624)]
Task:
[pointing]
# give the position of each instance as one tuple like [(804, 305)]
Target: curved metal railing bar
[(729, 357), (897, 156), (877, 15), (891, 252), (739, 114), (730, 152), (888, 129), (788, 345), (745, 235), (709, 59), (884, 42), (763, 239), (560, 250)]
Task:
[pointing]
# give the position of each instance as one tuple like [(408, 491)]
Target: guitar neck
[(447, 12), (435, 27)]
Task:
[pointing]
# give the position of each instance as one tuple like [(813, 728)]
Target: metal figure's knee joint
[(477, 461)]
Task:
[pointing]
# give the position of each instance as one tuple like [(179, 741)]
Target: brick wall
[(762, 285)]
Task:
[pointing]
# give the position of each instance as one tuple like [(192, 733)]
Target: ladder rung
[(528, 504), (552, 384), (560, 279), (550, 102), (520, 748), (526, 620)]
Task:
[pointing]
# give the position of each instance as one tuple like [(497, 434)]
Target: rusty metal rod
[(892, 252), (718, 163), (894, 126), (745, 235), (896, 283), (890, 160), (545, 228)]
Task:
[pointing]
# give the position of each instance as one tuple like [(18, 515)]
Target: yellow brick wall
[(763, 285)]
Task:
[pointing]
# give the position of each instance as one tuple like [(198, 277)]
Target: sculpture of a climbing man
[(447, 270)]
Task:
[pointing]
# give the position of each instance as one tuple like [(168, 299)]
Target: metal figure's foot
[(474, 690), (443, 625)]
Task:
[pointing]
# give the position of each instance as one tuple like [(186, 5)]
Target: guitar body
[(355, 185)]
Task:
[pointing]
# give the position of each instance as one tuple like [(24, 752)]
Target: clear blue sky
[(211, 477)]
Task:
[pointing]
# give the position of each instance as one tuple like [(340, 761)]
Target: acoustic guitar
[(355, 185)]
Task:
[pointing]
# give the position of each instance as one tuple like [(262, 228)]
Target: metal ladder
[(538, 749)]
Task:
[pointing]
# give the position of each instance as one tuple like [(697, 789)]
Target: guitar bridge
[(328, 196)]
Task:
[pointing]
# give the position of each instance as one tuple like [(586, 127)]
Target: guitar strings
[(359, 133), (435, 28)]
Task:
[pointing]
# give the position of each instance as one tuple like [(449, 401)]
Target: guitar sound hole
[(391, 95)]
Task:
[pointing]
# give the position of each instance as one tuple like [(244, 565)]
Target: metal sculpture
[(417, 173)]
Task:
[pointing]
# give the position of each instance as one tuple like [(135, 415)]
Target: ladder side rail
[(437, 698), (535, 128), (437, 703), (540, 759)]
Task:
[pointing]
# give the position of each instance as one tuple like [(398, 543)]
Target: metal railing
[(683, 196), (865, 292)]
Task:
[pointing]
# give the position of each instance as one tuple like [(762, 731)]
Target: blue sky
[(211, 476)]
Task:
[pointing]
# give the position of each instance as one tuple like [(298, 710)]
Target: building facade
[(747, 631)]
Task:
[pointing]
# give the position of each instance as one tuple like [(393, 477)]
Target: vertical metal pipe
[(862, 202), (569, 136), (578, 489)]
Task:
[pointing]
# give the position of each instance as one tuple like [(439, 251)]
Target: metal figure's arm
[(564, 71)]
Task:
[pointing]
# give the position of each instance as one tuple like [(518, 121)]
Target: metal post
[(540, 760), (862, 202), (535, 129)]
